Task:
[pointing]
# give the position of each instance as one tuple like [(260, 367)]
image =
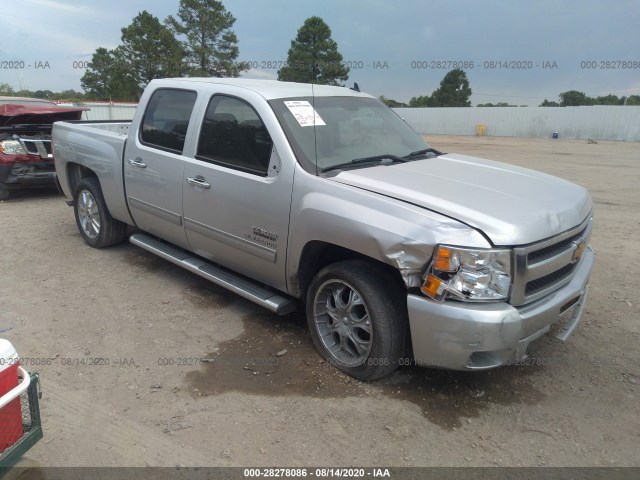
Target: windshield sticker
[(304, 113)]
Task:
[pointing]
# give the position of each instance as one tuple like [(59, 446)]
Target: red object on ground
[(10, 414)]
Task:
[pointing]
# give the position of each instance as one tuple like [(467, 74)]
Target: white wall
[(598, 122), (109, 111)]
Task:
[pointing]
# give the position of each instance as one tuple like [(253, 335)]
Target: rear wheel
[(357, 318), (97, 227), (4, 193)]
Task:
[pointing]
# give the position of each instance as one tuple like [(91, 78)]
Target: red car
[(26, 158)]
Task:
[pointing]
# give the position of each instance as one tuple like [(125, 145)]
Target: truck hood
[(510, 205), (18, 114)]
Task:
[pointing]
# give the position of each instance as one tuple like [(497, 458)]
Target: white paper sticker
[(304, 112)]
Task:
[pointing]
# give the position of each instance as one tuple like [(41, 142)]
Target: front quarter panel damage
[(388, 230), (412, 252)]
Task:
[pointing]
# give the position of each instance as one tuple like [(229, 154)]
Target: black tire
[(97, 227), (4, 193), (368, 335)]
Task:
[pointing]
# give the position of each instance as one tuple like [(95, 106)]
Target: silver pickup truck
[(290, 193)]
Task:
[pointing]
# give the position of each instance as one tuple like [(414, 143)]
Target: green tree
[(314, 57), (70, 94), (150, 50), (421, 101), (390, 102), (109, 78), (547, 103), (633, 100), (96, 79), (609, 100), (574, 98), (24, 93), (211, 46), (454, 90), (6, 90), (44, 94), (499, 104)]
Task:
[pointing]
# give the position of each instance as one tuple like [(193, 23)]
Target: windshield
[(346, 129)]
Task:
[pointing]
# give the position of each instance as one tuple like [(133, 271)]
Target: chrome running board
[(245, 287)]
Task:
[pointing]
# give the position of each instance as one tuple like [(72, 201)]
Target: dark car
[(26, 159)]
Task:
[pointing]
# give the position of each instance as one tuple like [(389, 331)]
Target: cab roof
[(270, 89)]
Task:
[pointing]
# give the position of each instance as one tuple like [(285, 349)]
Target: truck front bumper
[(27, 174), (480, 336)]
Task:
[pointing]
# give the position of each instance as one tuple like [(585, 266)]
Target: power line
[(29, 20)]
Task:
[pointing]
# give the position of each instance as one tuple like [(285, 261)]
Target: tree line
[(453, 94), (68, 95), (574, 98), (199, 41), (564, 99)]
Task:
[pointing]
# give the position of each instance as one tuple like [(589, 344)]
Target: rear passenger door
[(237, 194), (153, 164)]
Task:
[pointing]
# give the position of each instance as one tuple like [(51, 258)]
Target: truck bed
[(120, 127), (98, 146)]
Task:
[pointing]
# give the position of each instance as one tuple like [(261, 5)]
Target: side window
[(234, 136), (166, 119)]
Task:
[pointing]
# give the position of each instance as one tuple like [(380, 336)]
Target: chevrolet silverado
[(291, 194)]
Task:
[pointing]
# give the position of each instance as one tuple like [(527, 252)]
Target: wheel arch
[(380, 299), (111, 187), (317, 254), (75, 174)]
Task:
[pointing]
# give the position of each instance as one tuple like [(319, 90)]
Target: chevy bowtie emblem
[(579, 250)]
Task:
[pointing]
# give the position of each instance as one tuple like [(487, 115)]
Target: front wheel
[(357, 317), (97, 227)]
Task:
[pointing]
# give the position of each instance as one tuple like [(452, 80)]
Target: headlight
[(472, 275), (11, 147)]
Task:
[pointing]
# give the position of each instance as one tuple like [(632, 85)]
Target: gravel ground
[(145, 364)]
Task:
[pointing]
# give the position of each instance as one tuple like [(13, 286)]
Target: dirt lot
[(119, 338)]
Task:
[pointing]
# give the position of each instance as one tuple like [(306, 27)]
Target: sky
[(514, 51)]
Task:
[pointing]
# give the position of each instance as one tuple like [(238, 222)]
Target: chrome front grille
[(544, 267), (539, 284), (42, 148)]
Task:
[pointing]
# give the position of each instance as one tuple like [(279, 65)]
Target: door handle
[(198, 181), (137, 162)]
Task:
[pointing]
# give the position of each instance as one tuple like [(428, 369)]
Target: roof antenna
[(355, 87), (315, 131)]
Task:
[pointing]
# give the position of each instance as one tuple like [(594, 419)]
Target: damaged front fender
[(390, 231), (411, 256)]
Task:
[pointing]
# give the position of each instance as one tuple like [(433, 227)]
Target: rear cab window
[(166, 119)]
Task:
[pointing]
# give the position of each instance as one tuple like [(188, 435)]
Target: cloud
[(57, 5), (64, 31)]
